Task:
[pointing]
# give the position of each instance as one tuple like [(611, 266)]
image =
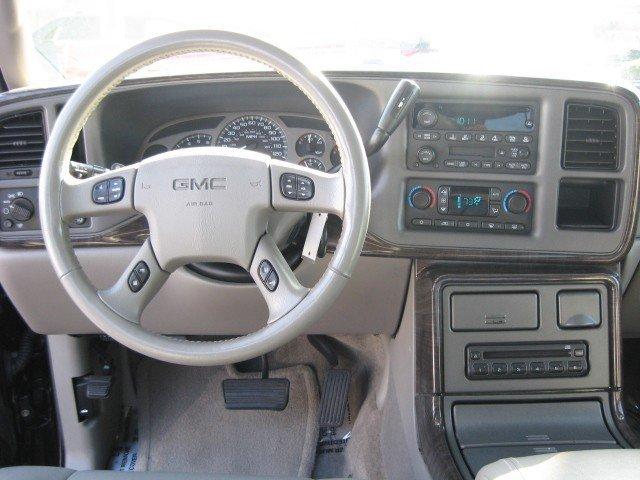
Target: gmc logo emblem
[(206, 183)]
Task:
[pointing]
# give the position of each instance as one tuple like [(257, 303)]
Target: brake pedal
[(256, 393), (335, 393)]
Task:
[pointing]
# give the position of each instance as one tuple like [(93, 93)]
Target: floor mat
[(184, 426)]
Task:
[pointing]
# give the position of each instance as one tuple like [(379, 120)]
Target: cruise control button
[(272, 281), (134, 282), (142, 270), (264, 269)]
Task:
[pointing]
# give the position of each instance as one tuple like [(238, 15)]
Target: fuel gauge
[(314, 163)]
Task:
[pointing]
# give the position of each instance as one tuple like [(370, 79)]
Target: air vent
[(22, 139), (590, 137)]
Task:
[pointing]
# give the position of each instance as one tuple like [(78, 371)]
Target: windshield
[(560, 39)]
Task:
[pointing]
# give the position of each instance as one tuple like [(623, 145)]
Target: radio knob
[(517, 202), (426, 155), (21, 209), (427, 117), (420, 198)]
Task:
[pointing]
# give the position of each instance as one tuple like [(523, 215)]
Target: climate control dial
[(420, 198), (517, 201)]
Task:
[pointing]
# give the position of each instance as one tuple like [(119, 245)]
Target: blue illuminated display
[(472, 201)]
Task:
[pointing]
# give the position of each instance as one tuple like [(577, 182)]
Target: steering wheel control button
[(116, 189), (138, 277), (272, 281), (305, 188), (296, 187), (264, 269), (288, 185), (108, 191), (100, 192), (142, 270), (268, 275)]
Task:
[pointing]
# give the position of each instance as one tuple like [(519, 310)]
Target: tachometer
[(257, 133), (195, 140)]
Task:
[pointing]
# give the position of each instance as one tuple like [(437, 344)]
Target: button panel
[(296, 187), (474, 149), (138, 277), (513, 361), (268, 275), (470, 207), (108, 191)]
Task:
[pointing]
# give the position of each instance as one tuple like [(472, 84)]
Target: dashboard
[(493, 168)]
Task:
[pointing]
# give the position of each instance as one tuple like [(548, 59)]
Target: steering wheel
[(205, 204)]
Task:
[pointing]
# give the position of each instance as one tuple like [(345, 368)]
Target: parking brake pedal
[(335, 393), (256, 393)]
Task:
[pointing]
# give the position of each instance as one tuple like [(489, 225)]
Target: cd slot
[(482, 152), (490, 355)]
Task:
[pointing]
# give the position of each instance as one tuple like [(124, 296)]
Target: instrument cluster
[(297, 139)]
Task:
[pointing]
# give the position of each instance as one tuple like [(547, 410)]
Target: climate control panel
[(499, 207)]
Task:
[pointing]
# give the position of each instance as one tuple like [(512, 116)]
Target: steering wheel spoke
[(295, 188), (275, 279), (137, 286), (105, 194)]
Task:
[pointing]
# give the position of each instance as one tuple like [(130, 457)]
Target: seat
[(55, 473), (579, 465)]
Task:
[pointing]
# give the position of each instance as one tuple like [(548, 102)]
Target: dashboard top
[(574, 214)]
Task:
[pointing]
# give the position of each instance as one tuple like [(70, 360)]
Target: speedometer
[(257, 133)]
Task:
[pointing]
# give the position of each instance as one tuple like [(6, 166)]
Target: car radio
[(478, 137), (500, 207)]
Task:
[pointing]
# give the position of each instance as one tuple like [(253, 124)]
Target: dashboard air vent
[(22, 139), (590, 137)]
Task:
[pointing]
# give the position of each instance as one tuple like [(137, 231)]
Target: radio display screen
[(473, 201), (484, 117)]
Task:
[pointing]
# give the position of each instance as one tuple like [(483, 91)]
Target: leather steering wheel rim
[(114, 311)]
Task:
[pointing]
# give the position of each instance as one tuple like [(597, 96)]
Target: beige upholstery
[(54, 473), (581, 465)]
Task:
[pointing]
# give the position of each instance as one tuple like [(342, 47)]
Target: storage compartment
[(494, 311), (488, 432), (587, 204)]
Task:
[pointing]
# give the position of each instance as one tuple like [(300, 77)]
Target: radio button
[(498, 164), (519, 368), (495, 138), (487, 164), (578, 352), (466, 137), (499, 368), (451, 136), (526, 139), (462, 163), (575, 367), (450, 163), (426, 155), (510, 138), (523, 152), (426, 135), (479, 369), (482, 137), (475, 163), (501, 152), (556, 367), (427, 117), (537, 367)]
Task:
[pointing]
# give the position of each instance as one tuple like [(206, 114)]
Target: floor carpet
[(184, 426)]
